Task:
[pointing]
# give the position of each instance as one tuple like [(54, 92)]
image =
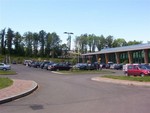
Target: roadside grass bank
[(8, 72), (5, 82), (130, 78), (87, 72)]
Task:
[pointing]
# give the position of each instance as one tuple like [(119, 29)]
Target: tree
[(100, 42), (119, 42), (64, 49), (109, 41), (35, 44), (91, 42), (55, 45), (134, 42), (48, 44), (42, 36), (18, 43), (28, 37), (9, 38), (2, 48), (83, 43)]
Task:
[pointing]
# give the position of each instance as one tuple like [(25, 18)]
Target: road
[(76, 94)]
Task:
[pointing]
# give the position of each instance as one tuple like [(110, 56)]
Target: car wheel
[(142, 75), (4, 69)]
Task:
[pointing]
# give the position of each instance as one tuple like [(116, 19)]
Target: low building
[(139, 53)]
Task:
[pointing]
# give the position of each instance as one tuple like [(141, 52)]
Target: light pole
[(69, 39)]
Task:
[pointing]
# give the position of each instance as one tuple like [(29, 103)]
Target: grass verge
[(87, 72), (5, 82), (8, 72), (131, 78)]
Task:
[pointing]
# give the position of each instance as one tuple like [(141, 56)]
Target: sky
[(128, 19)]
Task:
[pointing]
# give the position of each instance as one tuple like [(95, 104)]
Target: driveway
[(76, 94)]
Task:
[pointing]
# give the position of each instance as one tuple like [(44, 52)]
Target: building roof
[(121, 49)]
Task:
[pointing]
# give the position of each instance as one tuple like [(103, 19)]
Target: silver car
[(4, 66)]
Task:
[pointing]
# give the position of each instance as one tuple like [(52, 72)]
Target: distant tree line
[(42, 44), (31, 44), (90, 42)]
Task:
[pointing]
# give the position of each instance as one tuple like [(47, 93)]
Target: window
[(1, 64), (130, 67)]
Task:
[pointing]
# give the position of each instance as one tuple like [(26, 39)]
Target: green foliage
[(134, 42), (131, 78), (8, 72), (77, 71), (119, 42), (5, 82), (9, 38)]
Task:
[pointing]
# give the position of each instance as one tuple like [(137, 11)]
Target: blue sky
[(128, 19)]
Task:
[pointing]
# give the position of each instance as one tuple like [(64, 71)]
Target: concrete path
[(124, 82), (19, 89)]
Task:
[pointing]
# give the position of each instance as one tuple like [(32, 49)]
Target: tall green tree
[(18, 44), (48, 44), (83, 43), (100, 42), (109, 41), (77, 44), (90, 41), (35, 44), (2, 47), (64, 49), (9, 38), (55, 45), (42, 36), (28, 38)]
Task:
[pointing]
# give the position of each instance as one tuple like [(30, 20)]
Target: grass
[(87, 72), (8, 72), (5, 82), (131, 78)]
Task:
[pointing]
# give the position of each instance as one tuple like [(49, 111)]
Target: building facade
[(127, 54)]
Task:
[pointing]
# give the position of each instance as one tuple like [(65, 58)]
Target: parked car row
[(49, 65)]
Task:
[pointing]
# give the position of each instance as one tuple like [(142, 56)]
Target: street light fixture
[(69, 39)]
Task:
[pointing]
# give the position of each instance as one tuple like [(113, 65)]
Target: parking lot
[(76, 94)]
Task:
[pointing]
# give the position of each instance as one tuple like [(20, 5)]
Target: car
[(59, 66), (81, 66), (4, 66), (108, 65), (35, 64), (138, 70), (27, 62), (125, 67), (102, 65), (85, 66), (118, 66), (47, 65), (43, 63)]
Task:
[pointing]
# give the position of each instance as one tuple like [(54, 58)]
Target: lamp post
[(69, 39)]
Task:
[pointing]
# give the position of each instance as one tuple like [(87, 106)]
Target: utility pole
[(69, 39)]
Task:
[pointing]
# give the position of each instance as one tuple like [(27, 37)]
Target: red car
[(138, 70)]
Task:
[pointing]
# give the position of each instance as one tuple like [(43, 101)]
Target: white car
[(4, 66)]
